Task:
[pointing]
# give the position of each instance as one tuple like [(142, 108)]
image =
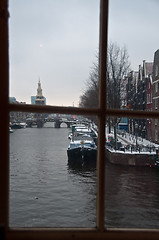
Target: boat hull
[(82, 156), (16, 126)]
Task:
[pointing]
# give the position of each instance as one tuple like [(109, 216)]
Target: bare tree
[(89, 97), (117, 67)]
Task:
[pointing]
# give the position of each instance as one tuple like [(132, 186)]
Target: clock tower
[(40, 100)]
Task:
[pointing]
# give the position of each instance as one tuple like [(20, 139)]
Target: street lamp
[(136, 127), (144, 133)]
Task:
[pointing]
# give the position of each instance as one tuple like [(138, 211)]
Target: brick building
[(155, 92), (18, 117), (149, 106)]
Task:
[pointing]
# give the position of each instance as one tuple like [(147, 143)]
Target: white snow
[(129, 141)]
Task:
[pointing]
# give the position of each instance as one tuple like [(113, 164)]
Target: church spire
[(39, 89), (40, 100)]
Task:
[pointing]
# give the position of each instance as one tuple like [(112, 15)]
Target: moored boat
[(82, 152), (17, 125), (10, 130)]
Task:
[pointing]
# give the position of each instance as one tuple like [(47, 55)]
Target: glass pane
[(52, 170), (132, 75), (132, 176), (55, 42)]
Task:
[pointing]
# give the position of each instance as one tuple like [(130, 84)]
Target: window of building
[(156, 68), (156, 121), (100, 112), (156, 104), (156, 87), (156, 135), (148, 98)]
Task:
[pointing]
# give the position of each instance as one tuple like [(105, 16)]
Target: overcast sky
[(56, 41)]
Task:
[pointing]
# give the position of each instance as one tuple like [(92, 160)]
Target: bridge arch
[(59, 122)]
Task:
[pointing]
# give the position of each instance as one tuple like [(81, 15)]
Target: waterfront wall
[(129, 159)]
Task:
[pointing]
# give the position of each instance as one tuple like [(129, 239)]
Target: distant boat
[(23, 124), (156, 164), (18, 125), (10, 130)]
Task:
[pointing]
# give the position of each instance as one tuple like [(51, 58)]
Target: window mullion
[(4, 149), (102, 106)]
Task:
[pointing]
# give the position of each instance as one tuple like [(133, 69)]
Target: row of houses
[(17, 116), (39, 99), (142, 93)]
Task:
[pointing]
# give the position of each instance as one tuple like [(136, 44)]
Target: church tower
[(40, 100)]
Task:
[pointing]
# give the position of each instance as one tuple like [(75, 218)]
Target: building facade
[(17, 117), (139, 97), (149, 106), (33, 98), (155, 92)]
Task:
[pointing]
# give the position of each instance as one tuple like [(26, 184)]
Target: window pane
[(132, 173), (52, 171), (55, 42), (132, 71)]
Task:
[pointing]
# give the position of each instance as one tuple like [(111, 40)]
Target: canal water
[(46, 192)]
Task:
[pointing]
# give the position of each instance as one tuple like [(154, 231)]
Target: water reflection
[(44, 190), (131, 197), (76, 166), (83, 178), (47, 192)]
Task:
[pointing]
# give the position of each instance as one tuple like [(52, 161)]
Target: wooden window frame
[(100, 232)]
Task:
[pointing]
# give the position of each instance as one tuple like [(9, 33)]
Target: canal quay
[(131, 150), (46, 192)]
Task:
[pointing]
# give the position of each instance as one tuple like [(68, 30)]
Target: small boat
[(80, 130), (156, 165), (82, 152), (10, 130), (23, 125), (18, 125)]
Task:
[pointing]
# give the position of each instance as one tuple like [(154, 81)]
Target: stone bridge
[(40, 122)]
